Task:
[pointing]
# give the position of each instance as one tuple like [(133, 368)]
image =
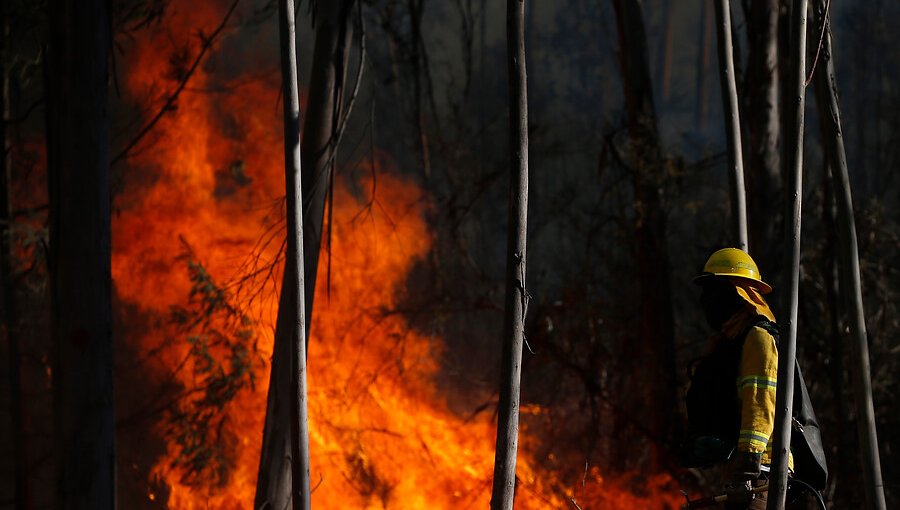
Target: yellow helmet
[(735, 264)]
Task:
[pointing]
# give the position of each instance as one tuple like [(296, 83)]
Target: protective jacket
[(755, 382), (732, 395)]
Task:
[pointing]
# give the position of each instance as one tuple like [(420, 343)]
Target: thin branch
[(812, 71), (207, 44)]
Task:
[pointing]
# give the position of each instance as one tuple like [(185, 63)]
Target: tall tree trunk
[(704, 38), (79, 260), (516, 297), (762, 121), (323, 114), (732, 124), (837, 366), (416, 9), (299, 423), (317, 154), (787, 349), (830, 116), (655, 344), (8, 313), (664, 51)]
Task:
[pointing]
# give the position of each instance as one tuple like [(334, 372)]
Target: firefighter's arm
[(756, 384)]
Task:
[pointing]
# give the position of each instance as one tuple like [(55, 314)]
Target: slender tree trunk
[(317, 154), (664, 51), (787, 349), (654, 347), (79, 260), (830, 115), (837, 365), (323, 114), (299, 423), (8, 312), (704, 41), (415, 9), (732, 124), (504, 486), (762, 121)]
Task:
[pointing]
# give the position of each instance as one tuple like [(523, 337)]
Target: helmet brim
[(761, 286)]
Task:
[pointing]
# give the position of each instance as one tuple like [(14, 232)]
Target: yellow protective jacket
[(757, 376)]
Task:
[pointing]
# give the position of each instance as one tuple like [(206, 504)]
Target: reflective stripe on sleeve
[(757, 381), (754, 438)]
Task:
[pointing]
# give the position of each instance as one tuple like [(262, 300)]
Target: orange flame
[(381, 436)]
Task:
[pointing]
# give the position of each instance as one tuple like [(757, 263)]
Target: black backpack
[(714, 413)]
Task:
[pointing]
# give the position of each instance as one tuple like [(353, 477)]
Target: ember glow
[(205, 189)]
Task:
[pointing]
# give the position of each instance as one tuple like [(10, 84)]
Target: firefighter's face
[(719, 300)]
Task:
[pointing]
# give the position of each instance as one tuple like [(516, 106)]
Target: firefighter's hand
[(744, 466)]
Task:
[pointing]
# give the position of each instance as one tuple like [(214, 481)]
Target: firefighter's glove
[(744, 466), (743, 469)]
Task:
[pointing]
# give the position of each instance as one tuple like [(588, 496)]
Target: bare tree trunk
[(732, 124), (664, 51), (830, 116), (416, 8), (323, 114), (78, 158), (8, 313), (787, 349), (762, 121), (655, 346), (273, 481), (703, 57), (273, 487), (299, 423), (504, 485), (836, 364)]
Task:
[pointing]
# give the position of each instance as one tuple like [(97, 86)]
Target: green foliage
[(220, 361)]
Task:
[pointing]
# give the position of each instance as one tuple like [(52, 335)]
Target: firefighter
[(732, 394)]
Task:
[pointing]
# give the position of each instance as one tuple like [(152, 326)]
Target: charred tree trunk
[(830, 116), (299, 423), (78, 157), (273, 488), (655, 344), (8, 313), (762, 121), (732, 124), (516, 297), (787, 348)]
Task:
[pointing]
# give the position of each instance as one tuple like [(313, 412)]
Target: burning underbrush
[(197, 235)]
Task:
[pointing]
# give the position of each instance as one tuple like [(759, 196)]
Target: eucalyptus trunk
[(294, 200), (317, 154), (732, 124), (848, 257), (763, 175), (787, 348), (704, 38), (653, 351), (504, 485), (78, 158)]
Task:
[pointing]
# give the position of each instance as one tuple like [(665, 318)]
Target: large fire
[(205, 190)]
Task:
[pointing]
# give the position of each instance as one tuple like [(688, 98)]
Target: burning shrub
[(222, 348)]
